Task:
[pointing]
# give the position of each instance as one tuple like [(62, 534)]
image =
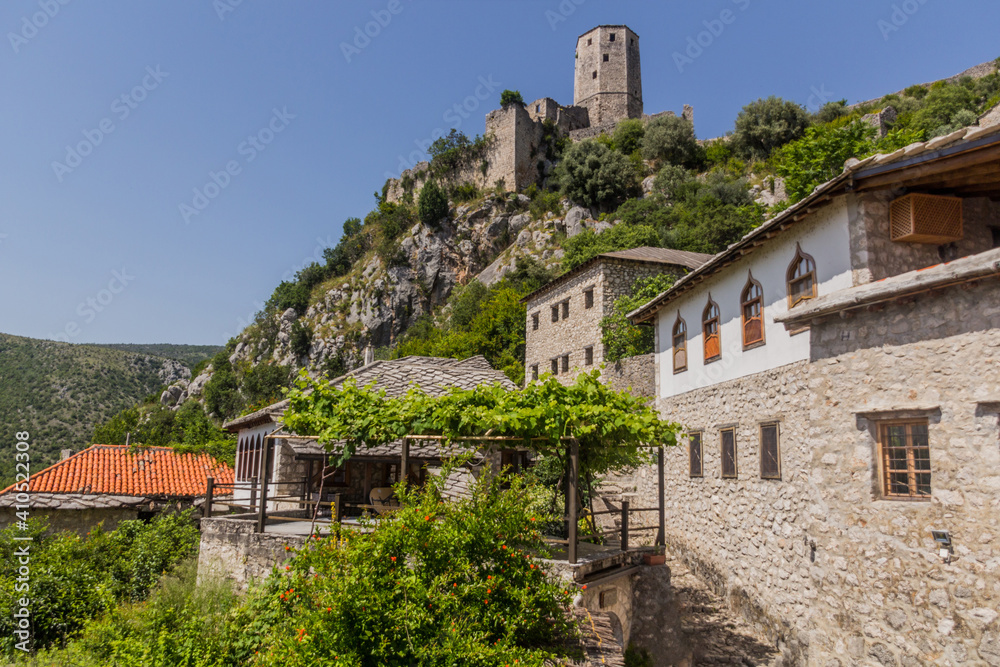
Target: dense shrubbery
[(620, 337), (508, 97), (75, 578), (588, 244), (488, 321), (591, 174), (671, 140), (232, 389), (442, 583), (433, 205), (187, 428), (766, 124)]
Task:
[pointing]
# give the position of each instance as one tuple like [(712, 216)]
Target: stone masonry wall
[(609, 279), (230, 548), (834, 572), (635, 375), (611, 90), (875, 256)]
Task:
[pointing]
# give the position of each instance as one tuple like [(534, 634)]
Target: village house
[(563, 333), (113, 483), (836, 371)]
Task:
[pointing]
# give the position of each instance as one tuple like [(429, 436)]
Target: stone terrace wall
[(230, 548), (818, 559)]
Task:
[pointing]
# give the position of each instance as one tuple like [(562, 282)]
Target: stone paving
[(713, 634)]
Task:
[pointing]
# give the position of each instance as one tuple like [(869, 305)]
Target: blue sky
[(115, 112)]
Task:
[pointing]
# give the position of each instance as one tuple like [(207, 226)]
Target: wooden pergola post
[(404, 460), (571, 492), (661, 535), (209, 491), (265, 478)]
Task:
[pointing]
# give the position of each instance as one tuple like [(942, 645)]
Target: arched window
[(710, 331), (680, 345), (801, 278), (752, 306)]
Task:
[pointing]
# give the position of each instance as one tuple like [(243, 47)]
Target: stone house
[(300, 467), (112, 483), (563, 334), (836, 371)]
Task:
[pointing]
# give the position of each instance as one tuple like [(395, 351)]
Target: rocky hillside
[(58, 392)]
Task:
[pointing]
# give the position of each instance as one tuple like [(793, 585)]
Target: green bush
[(831, 111), (621, 338), (300, 339), (591, 174), (587, 245), (465, 192), (75, 578), (671, 140), (718, 152), (628, 136), (433, 205), (222, 391), (670, 180), (543, 202), (263, 383), (508, 97), (766, 124)]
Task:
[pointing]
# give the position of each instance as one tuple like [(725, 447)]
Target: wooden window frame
[(588, 298), (747, 301), (722, 453), (791, 279), (535, 321), (555, 313), (565, 309), (777, 445), (696, 438), (534, 372), (331, 481), (565, 363), (705, 321), (588, 355), (554, 365), (884, 471), (674, 334)]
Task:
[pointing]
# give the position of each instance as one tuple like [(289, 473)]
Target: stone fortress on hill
[(607, 90)]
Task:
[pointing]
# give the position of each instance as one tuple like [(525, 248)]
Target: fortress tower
[(608, 75)]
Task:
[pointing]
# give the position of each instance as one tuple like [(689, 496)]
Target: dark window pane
[(696, 455), (729, 453), (770, 468)]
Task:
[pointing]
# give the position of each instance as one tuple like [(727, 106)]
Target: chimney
[(369, 355), (65, 454)]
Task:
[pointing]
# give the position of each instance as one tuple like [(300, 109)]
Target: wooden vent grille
[(918, 218)]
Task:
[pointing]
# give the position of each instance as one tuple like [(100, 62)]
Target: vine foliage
[(614, 428)]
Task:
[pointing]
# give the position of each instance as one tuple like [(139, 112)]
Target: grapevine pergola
[(591, 427)]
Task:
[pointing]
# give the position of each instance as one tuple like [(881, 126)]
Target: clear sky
[(115, 112)]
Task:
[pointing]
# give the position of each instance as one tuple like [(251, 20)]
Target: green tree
[(591, 174), (621, 338), (433, 205), (628, 136), (940, 107), (671, 140), (509, 97), (766, 124)]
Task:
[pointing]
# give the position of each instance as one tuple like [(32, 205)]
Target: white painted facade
[(826, 237)]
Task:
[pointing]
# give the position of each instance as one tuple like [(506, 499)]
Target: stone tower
[(608, 75)]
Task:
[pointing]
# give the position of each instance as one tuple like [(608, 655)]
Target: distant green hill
[(58, 391), (189, 355)]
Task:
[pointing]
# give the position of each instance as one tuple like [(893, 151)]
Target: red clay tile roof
[(125, 471)]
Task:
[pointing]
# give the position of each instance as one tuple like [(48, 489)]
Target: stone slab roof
[(643, 255), (920, 153), (116, 470), (974, 267), (434, 375)]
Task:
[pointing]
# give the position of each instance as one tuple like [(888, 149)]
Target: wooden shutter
[(729, 452), (770, 457)]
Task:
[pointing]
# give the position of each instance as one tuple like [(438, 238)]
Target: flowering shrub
[(437, 583)]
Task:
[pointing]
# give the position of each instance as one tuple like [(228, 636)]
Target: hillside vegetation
[(189, 355), (58, 392)]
